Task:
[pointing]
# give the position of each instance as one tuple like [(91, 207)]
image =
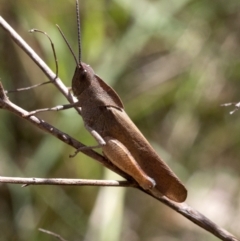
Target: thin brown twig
[(27, 88), (52, 233), (26, 181), (182, 208), (236, 105), (39, 62), (52, 46)]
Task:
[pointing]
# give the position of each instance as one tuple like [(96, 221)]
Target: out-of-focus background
[(173, 63)]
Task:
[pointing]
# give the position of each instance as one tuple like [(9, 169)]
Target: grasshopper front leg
[(98, 138)]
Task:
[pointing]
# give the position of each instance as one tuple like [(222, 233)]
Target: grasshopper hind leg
[(120, 156)]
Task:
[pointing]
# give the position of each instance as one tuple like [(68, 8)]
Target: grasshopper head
[(82, 78)]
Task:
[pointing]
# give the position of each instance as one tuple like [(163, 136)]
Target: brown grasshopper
[(121, 141)]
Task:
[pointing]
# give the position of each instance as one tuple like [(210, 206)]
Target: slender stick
[(63, 181), (27, 88), (52, 233), (236, 105), (52, 45), (39, 62)]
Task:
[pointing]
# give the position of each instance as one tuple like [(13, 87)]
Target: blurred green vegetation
[(173, 63)]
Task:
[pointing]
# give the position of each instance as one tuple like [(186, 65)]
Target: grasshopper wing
[(125, 131)]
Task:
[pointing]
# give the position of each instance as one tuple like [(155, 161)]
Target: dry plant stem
[(199, 219), (181, 208), (236, 105), (40, 63), (27, 88), (52, 233), (63, 181)]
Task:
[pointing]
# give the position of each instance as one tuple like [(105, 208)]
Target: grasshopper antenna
[(56, 63), (79, 32), (70, 48), (78, 62)]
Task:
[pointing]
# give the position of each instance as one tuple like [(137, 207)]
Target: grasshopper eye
[(83, 74)]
